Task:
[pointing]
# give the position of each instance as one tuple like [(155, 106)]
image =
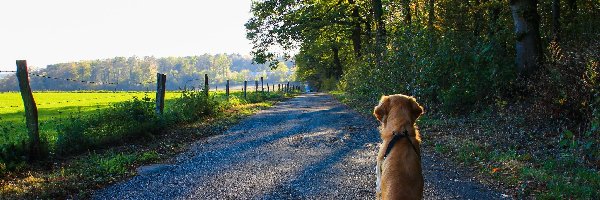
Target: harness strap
[(395, 139)]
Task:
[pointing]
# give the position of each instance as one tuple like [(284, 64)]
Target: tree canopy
[(139, 73)]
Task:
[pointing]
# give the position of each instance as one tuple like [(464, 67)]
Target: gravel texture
[(309, 147)]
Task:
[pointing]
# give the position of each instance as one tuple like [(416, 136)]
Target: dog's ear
[(382, 109), (416, 109)]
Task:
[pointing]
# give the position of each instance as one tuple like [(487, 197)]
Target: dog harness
[(388, 149), (395, 139)]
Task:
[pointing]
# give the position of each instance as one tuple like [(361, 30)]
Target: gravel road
[(309, 147)]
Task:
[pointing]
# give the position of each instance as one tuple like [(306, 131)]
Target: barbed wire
[(74, 80), (80, 81), (79, 100), (90, 82)]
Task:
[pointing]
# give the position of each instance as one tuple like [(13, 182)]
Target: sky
[(56, 31)]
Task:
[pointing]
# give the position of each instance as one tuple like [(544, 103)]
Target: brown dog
[(399, 173)]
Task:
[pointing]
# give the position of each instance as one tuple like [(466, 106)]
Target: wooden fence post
[(206, 84), (245, 88), (227, 90), (161, 79), (262, 86), (268, 88), (31, 114), (273, 87), (279, 87), (255, 86)]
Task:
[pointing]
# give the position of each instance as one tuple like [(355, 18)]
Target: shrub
[(13, 154), (192, 106), (121, 122)]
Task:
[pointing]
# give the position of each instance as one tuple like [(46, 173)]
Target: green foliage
[(192, 106), (123, 121), (130, 71), (104, 126), (102, 167), (563, 180), (111, 164)]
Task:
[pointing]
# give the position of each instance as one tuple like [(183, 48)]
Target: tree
[(555, 20), (357, 30), (222, 65), (380, 25), (289, 25), (430, 14), (527, 33)]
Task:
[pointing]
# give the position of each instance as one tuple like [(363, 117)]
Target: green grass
[(558, 177), (54, 107), (78, 176), (63, 114)]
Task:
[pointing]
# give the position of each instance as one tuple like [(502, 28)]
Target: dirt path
[(309, 147)]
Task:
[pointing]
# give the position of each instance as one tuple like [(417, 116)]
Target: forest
[(459, 55), (524, 71), (139, 73)]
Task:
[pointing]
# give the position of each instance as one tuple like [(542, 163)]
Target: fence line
[(31, 110)]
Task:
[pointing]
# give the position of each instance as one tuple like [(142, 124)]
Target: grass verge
[(78, 176)]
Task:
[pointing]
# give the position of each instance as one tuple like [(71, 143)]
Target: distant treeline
[(139, 73)]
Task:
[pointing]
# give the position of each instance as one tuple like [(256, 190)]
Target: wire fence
[(210, 85), (188, 84), (71, 103)]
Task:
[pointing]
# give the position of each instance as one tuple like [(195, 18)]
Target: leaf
[(568, 134), (494, 170)]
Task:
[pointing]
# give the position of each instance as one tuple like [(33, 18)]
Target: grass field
[(77, 166), (53, 107)]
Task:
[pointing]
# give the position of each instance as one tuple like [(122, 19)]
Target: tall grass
[(119, 123)]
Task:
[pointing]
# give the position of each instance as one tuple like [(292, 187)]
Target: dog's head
[(398, 106)]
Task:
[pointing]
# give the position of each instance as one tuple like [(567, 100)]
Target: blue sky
[(52, 31)]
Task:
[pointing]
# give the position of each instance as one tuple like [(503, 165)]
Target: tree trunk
[(356, 31), (378, 15), (337, 63), (380, 42), (368, 28), (573, 7), (555, 20), (431, 14), (494, 17), (527, 31), (407, 14), (494, 28), (478, 16)]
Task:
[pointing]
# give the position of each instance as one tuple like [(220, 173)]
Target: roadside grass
[(543, 170), (56, 107), (80, 175), (526, 165)]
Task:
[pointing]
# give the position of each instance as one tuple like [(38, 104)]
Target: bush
[(14, 154), (120, 123), (450, 72), (192, 106)]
